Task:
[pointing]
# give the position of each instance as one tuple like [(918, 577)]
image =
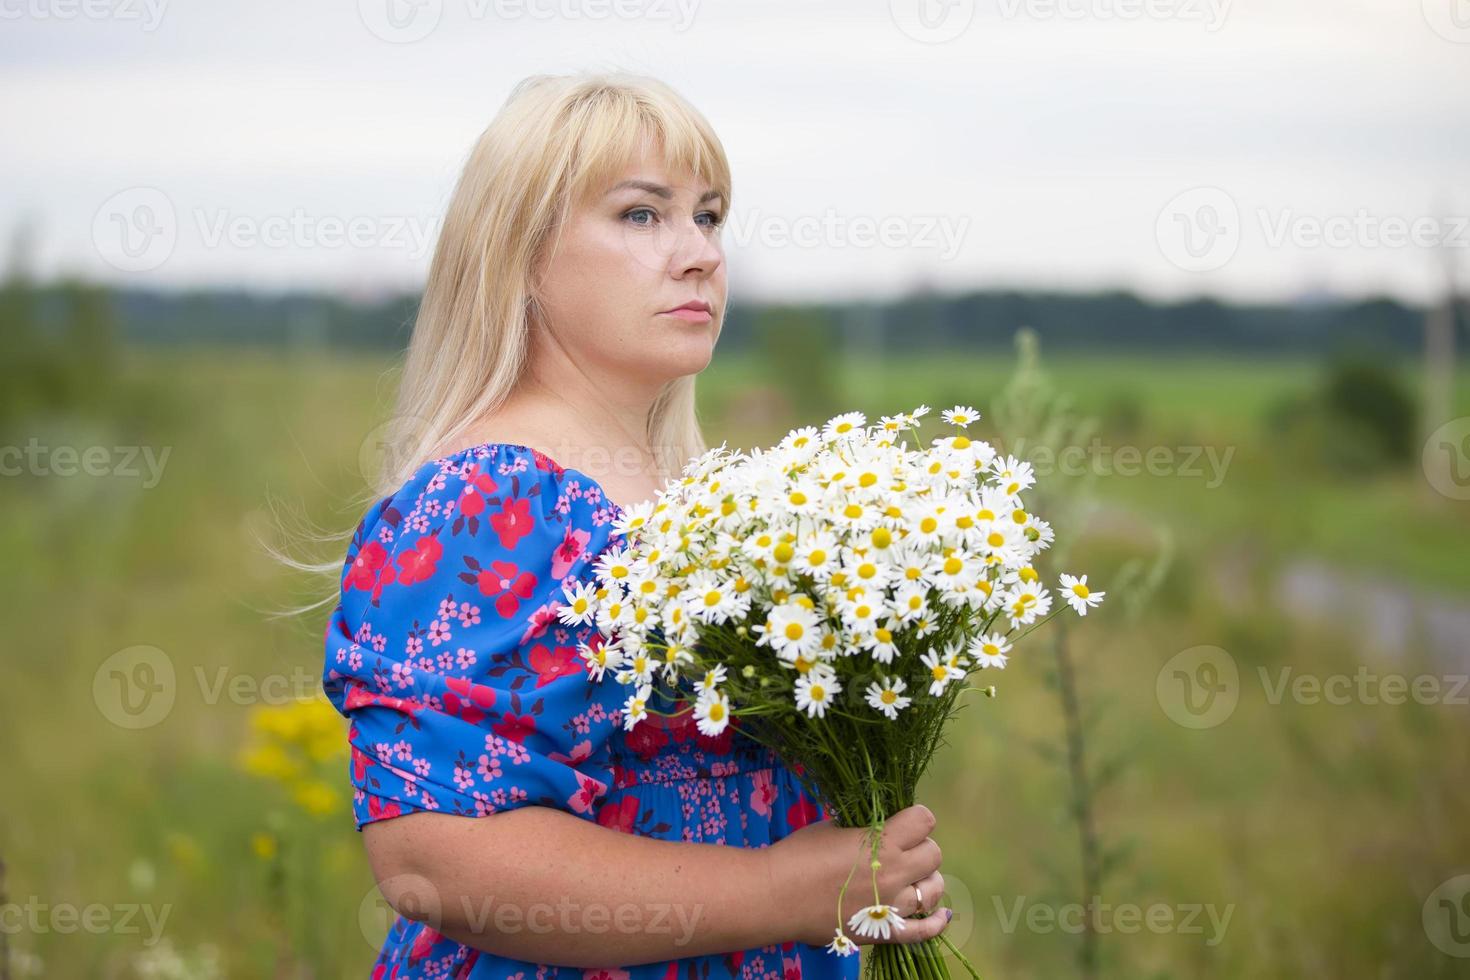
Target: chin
[(682, 356)]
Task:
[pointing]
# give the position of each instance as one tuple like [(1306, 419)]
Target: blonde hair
[(558, 141)]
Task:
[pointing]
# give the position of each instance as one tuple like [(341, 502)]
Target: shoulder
[(466, 511)]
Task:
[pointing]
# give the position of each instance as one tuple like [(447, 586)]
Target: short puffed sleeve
[(464, 690)]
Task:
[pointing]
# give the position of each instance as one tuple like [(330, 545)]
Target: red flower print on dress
[(507, 581), (621, 816), (801, 813), (605, 973), (514, 727), (763, 794), (647, 738), (573, 544), (588, 790), (513, 522), (468, 701), (536, 623), (380, 809), (423, 943), (358, 696), (549, 664), (418, 564), (477, 488), (580, 753), (370, 570)]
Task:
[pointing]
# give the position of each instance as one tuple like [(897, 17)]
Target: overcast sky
[(1254, 149)]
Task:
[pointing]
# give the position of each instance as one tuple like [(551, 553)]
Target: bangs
[(607, 128)]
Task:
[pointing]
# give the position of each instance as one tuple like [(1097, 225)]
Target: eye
[(712, 219)]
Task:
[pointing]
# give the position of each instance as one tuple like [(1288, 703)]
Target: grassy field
[(1292, 838)]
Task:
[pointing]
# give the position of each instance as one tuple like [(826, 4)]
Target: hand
[(808, 866)]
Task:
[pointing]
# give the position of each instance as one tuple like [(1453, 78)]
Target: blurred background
[(1197, 259)]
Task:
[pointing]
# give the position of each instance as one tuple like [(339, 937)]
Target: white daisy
[(1001, 543), (614, 565), (674, 657), (956, 571), (713, 678), (580, 607), (817, 555), (910, 602), (633, 519), (888, 697), (1078, 595), (637, 666), (990, 649), (942, 670), (711, 600), (815, 690), (841, 945), (880, 642), (635, 709), (605, 656), (792, 630), (960, 415), (845, 425), (867, 571), (877, 921), (1024, 603), (1012, 475), (712, 712)]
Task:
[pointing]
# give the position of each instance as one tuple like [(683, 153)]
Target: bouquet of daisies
[(831, 597)]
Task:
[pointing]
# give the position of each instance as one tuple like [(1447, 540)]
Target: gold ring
[(920, 896)]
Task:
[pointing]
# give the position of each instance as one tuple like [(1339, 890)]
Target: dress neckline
[(617, 507)]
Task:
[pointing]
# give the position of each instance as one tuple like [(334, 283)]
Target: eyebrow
[(659, 190)]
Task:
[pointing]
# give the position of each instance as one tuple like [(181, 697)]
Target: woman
[(577, 288)]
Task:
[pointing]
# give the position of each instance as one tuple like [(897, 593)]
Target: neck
[(588, 420)]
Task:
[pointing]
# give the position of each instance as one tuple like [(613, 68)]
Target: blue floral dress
[(466, 695)]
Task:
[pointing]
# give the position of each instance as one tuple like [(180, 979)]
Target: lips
[(695, 305), (694, 311)]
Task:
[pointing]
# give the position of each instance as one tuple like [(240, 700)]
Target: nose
[(697, 250)]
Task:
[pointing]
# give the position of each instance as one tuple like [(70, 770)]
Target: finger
[(918, 930), (909, 826), (930, 886)]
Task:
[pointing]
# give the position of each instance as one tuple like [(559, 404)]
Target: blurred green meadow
[(1227, 828)]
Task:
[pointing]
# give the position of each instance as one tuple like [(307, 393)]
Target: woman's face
[(647, 245)]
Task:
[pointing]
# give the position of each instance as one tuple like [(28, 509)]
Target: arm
[(545, 886), (578, 894)]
